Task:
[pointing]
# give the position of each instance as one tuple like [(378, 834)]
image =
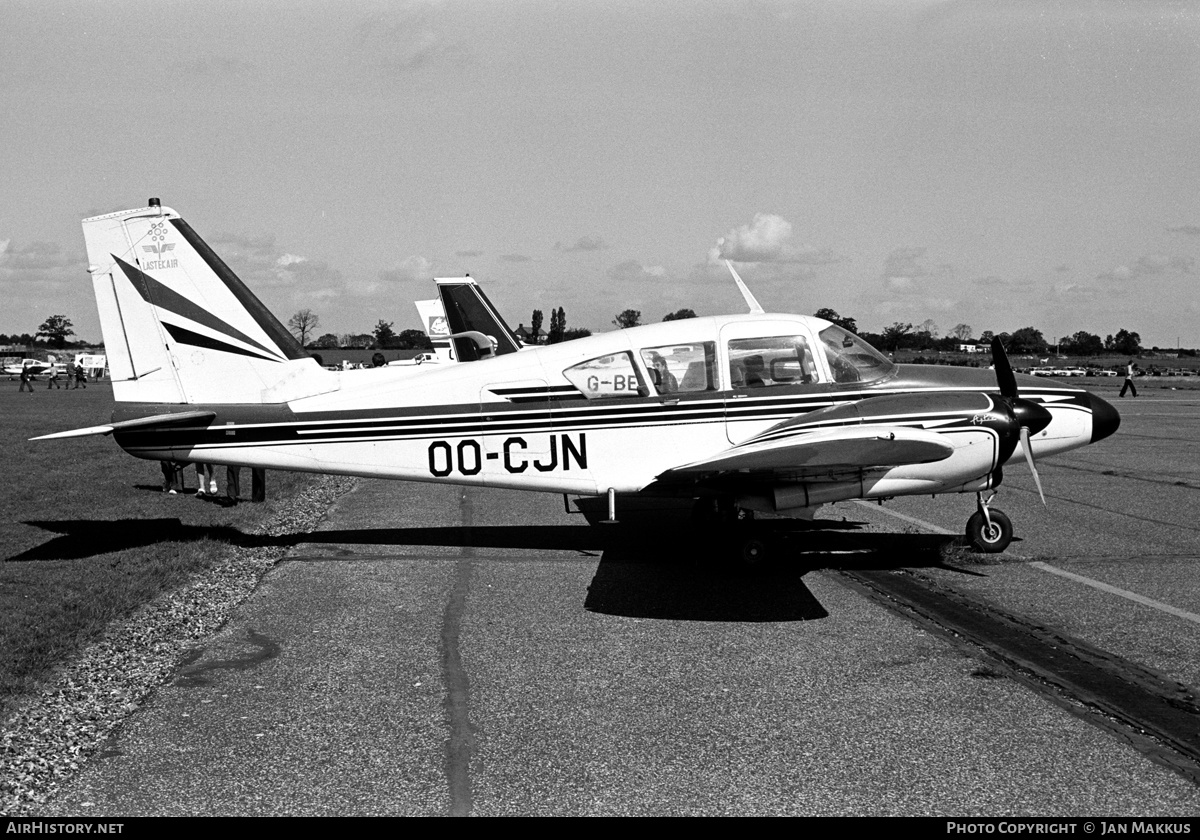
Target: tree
[(1084, 343), (831, 315), (986, 337), (577, 332), (628, 318), (1126, 343), (56, 328), (535, 324), (413, 340), (680, 315), (961, 332), (329, 341), (895, 334), (383, 334), (558, 325), (303, 324), (1027, 340)]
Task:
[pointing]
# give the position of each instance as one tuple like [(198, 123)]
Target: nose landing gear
[(989, 531)]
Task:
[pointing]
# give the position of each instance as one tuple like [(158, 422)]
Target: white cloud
[(767, 239)]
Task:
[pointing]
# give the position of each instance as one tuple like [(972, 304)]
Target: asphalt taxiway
[(438, 651)]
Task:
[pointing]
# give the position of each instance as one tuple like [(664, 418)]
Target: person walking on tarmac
[(80, 377), (26, 380), (1128, 383), (52, 378)]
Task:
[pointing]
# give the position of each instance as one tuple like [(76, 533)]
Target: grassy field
[(89, 536)]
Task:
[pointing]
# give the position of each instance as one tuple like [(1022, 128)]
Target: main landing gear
[(990, 531), (744, 545)]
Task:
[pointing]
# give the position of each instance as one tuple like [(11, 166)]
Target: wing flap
[(176, 419), (825, 451)]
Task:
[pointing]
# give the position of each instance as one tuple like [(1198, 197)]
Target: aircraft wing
[(822, 453), (177, 419)]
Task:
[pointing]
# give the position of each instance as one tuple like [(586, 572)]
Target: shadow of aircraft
[(82, 538), (640, 573)]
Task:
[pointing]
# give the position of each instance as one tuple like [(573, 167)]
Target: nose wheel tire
[(990, 539)]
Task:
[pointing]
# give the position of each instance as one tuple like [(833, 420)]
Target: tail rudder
[(468, 310), (179, 326)]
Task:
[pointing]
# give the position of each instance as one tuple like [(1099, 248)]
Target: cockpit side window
[(771, 361), (851, 359), (607, 377), (682, 368)]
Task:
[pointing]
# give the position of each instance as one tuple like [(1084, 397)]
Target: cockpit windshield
[(851, 359)]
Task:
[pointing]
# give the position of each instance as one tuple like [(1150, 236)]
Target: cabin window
[(607, 377), (770, 362), (850, 358), (682, 368)]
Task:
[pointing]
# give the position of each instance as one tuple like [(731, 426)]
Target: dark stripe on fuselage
[(261, 426)]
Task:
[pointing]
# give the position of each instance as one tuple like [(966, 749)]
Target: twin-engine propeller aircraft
[(735, 414)]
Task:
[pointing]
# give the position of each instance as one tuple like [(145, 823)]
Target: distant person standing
[(26, 380), (1128, 383)]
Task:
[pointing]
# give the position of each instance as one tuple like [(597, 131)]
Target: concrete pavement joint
[(460, 742)]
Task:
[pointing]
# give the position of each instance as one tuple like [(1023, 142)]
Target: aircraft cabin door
[(771, 374)]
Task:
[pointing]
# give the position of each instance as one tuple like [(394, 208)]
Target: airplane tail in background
[(179, 326), (468, 310), (433, 319)]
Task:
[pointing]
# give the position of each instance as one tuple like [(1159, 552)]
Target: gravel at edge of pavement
[(52, 736)]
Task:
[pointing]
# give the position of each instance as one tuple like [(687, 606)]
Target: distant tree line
[(1025, 341), (898, 336)]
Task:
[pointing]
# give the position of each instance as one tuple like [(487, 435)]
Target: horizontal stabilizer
[(825, 451), (177, 419)]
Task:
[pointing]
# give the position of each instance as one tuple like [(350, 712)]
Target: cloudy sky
[(1001, 165)]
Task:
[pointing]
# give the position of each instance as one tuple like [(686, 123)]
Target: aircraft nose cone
[(1105, 419)]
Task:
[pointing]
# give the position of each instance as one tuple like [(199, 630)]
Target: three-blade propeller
[(1030, 417)]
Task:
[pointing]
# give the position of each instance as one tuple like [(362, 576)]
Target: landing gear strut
[(990, 531)]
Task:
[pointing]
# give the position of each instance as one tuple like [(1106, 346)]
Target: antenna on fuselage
[(751, 301)]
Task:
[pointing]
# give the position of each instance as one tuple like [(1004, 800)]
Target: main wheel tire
[(993, 539), (753, 552)]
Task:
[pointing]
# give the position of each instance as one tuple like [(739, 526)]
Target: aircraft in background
[(35, 367), (462, 324), (736, 414)]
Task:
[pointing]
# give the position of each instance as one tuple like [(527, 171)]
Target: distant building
[(527, 337), (971, 348)]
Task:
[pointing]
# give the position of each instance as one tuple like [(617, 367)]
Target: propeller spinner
[(1028, 416)]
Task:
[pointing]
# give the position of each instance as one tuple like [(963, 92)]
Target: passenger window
[(682, 368), (769, 362), (607, 377)]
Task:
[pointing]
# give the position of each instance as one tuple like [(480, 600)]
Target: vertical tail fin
[(469, 310), (179, 326)]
